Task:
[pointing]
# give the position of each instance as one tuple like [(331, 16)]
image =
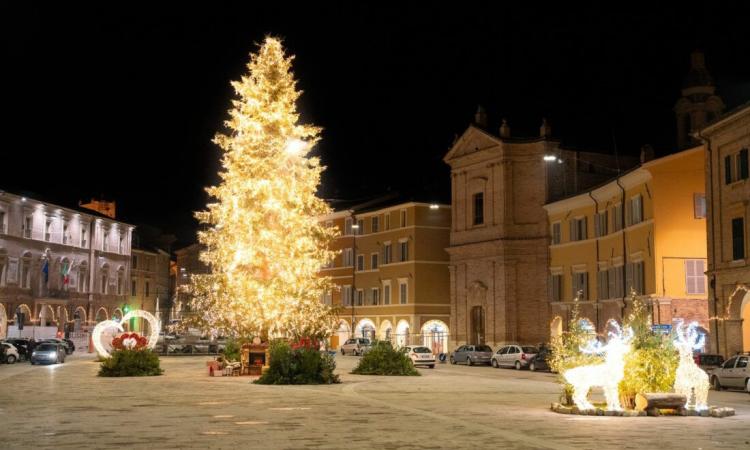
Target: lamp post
[(355, 227)]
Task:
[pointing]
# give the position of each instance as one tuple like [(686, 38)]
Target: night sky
[(123, 102)]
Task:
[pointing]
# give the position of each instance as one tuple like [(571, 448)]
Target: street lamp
[(355, 227)]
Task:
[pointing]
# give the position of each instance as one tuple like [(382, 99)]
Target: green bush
[(232, 350), (131, 363), (304, 365), (383, 359)]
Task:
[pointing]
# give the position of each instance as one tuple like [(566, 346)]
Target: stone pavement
[(68, 406)]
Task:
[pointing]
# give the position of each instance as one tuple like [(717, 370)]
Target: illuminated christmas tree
[(263, 241)]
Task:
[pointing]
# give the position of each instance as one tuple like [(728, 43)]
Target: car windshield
[(421, 350), (529, 349), (47, 347), (482, 348)]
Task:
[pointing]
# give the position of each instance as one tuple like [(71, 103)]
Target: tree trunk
[(645, 402)]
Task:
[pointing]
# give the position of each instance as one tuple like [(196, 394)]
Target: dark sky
[(123, 101)]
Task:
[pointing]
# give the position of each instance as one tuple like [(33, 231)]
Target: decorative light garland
[(154, 325)]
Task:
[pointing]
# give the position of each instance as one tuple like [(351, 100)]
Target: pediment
[(473, 140)]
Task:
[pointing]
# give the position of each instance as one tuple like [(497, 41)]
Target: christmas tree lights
[(263, 241)]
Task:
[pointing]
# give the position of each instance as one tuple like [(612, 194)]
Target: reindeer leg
[(613, 398)]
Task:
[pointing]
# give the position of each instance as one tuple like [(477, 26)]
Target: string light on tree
[(263, 242)]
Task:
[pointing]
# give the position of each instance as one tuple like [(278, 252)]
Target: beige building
[(391, 275), (727, 142), (149, 281), (499, 235)]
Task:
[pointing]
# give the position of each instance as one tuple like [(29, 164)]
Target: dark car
[(68, 347), (540, 361), (48, 353), (708, 362), (472, 354)]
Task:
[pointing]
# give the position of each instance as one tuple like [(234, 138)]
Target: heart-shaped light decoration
[(154, 324)]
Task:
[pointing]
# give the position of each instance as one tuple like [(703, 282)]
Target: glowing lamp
[(295, 147), (550, 157), (434, 206)]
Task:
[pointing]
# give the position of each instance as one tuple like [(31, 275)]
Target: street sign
[(663, 328)]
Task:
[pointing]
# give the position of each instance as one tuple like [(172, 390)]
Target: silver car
[(356, 346), (471, 354), (733, 373), (517, 356)]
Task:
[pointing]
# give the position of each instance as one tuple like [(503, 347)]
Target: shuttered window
[(695, 278), (581, 285), (602, 284)]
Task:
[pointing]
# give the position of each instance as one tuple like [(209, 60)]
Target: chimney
[(545, 130), (480, 118), (504, 129), (647, 153)]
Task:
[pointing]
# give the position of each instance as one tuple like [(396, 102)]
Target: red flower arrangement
[(306, 343), (131, 341)]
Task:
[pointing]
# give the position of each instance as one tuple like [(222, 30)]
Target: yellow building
[(644, 230), (391, 274)]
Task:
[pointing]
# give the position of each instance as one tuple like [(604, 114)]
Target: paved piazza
[(68, 406)]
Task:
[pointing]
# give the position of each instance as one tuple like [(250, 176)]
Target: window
[(374, 261), (121, 246), (602, 284), (695, 277), (133, 287), (327, 298), (556, 233), (738, 238), (105, 241), (360, 262), (134, 261), (348, 226), (3, 264), (387, 217), (581, 285), (578, 229), (3, 228), (478, 203), (556, 288), (27, 224), (48, 229), (146, 289), (741, 362), (360, 226), (346, 295), (387, 294), (634, 274), (120, 281), (348, 257), (360, 297), (404, 250), (403, 292), (617, 217), (375, 224), (375, 296), (83, 278), (615, 279), (601, 219), (699, 206), (736, 166), (103, 281), (84, 242), (387, 253), (403, 218), (26, 271), (65, 236), (635, 210)]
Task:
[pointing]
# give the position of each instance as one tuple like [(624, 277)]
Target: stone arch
[(365, 328), (79, 318), (402, 333), (101, 315), (24, 308), (556, 327), (435, 336), (117, 314), (745, 316), (342, 333), (46, 316), (385, 332)]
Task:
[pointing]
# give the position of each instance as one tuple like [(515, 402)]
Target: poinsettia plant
[(130, 341)]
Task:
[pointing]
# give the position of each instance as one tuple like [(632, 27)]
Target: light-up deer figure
[(690, 380), (607, 375)]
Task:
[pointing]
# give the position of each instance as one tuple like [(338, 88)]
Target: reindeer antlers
[(688, 336)]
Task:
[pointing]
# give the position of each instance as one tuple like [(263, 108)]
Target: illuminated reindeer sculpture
[(690, 380), (607, 375)]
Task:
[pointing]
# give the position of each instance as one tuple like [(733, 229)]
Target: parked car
[(708, 362), (540, 361), (356, 346), (23, 345), (48, 352), (732, 374), (67, 347), (517, 356), (472, 354), (420, 355), (8, 353)]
